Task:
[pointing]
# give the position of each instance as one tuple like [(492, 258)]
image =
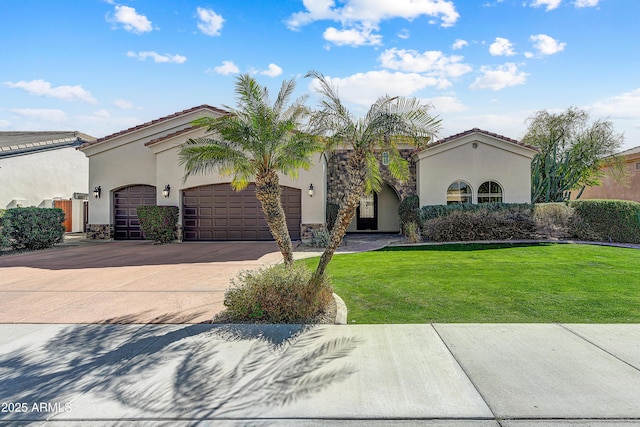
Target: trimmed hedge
[(33, 228), (481, 224), (4, 225), (437, 211), (606, 220), (158, 223)]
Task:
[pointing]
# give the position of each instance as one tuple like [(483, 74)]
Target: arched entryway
[(378, 212), (125, 202)]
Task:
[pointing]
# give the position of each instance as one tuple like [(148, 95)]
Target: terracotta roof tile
[(171, 135), (153, 122)]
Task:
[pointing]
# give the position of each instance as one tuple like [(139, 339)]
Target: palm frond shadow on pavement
[(195, 372)]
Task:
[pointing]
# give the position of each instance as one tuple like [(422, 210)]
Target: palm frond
[(205, 155)]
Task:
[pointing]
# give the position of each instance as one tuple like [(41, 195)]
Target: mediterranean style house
[(140, 166), (44, 169)]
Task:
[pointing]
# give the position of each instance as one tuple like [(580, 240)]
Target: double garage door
[(217, 212)]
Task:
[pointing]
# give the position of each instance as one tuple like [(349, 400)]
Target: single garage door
[(127, 226), (217, 212)]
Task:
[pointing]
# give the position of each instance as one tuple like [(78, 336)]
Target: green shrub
[(409, 211), (277, 294), (411, 231), (320, 238), (158, 223), (553, 219), (437, 211), (33, 228), (606, 220), (481, 225), (4, 230), (332, 215)]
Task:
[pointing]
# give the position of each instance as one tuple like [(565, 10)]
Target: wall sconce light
[(166, 191), (97, 191), (310, 190)]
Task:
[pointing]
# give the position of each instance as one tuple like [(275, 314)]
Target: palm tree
[(389, 121), (255, 142)]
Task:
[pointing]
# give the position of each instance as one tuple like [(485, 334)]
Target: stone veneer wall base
[(99, 231)]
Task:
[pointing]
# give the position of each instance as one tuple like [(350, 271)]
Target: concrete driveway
[(124, 281)]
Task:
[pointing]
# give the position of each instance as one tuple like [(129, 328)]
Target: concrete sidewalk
[(462, 375)]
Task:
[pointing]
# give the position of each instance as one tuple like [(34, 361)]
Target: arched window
[(459, 192), (490, 191)]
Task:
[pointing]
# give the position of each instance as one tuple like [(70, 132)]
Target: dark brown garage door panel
[(217, 212), (126, 200)]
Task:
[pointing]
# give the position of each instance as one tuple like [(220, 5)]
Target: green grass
[(486, 283)]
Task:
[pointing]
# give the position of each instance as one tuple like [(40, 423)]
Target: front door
[(367, 214)]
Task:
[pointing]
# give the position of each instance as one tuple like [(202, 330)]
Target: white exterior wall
[(490, 160), (38, 176), (168, 171), (129, 164)]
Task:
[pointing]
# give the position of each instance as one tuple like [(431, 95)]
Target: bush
[(33, 228), (4, 230), (411, 231), (606, 220), (158, 223), (277, 294), (320, 238), (553, 219), (437, 211), (408, 211), (332, 215), (481, 225)]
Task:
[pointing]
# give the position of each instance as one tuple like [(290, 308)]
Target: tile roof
[(476, 130), (22, 142), (156, 121), (634, 150)]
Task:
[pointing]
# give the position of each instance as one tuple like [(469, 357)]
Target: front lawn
[(490, 283)]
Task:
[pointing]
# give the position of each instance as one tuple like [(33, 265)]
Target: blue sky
[(101, 66)]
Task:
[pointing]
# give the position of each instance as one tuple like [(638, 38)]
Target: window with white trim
[(385, 158), (490, 192), (459, 192)]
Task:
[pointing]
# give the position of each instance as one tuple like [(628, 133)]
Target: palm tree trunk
[(356, 170), (268, 192)]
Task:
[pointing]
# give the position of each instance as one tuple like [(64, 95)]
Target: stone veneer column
[(99, 231), (306, 231)]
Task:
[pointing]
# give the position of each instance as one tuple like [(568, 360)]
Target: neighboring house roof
[(20, 142), (476, 130), (154, 122), (630, 151)]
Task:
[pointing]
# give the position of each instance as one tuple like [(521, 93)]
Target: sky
[(102, 66)]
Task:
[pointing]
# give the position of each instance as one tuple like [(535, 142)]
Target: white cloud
[(4, 123), (446, 104), (210, 22), (48, 115), (500, 77), (625, 106), (43, 88), (546, 45), (550, 4), (272, 71), (102, 113), (432, 62), (352, 37), (131, 20), (177, 59), (123, 104), (586, 3), (404, 34), (227, 67), (365, 88), (459, 44), (369, 13), (501, 47)]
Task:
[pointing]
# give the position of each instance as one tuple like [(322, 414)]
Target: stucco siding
[(46, 175), (474, 161)]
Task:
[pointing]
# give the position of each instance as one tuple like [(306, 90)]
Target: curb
[(341, 310)]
